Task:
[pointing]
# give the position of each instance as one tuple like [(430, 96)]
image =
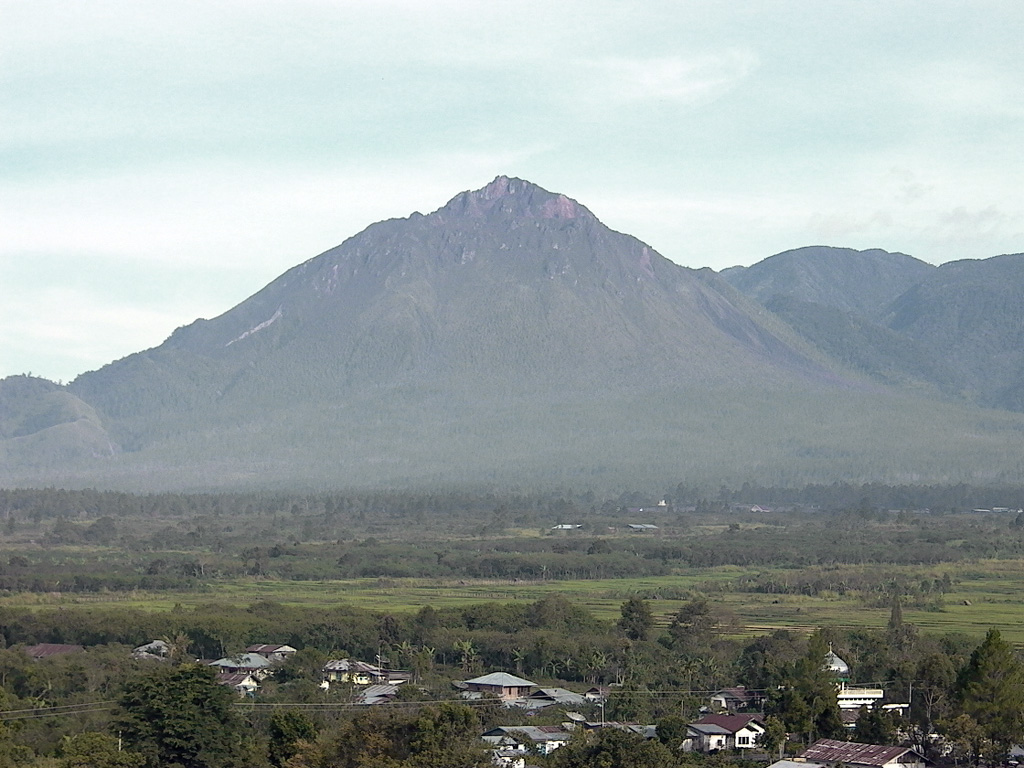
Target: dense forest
[(66, 540)]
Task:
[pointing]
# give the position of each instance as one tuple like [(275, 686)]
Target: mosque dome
[(836, 665)]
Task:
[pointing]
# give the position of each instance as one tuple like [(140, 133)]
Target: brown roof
[(831, 751), (739, 693), (45, 650), (731, 723), (233, 678), (266, 648)]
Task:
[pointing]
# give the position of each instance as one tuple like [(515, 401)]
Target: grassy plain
[(987, 593)]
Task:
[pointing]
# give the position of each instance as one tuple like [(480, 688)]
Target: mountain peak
[(509, 197)]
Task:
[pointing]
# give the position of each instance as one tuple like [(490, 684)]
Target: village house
[(362, 673), (830, 753), (643, 731), (155, 650), (248, 663), (46, 650), (736, 699), (372, 695), (276, 653), (544, 739), (242, 683), (501, 684), (716, 732), (548, 697)]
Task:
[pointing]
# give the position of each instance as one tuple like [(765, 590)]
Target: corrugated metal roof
[(831, 751), (502, 679), (45, 650)]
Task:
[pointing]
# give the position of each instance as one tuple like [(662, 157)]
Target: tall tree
[(95, 750), (991, 689), (933, 692), (612, 747), (773, 740), (287, 729), (873, 726), (637, 620), (180, 716), (807, 702)]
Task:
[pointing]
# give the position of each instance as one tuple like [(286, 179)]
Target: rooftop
[(831, 751), (501, 679)]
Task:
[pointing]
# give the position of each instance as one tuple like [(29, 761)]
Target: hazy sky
[(161, 162)]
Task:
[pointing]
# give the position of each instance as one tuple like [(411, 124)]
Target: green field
[(986, 594)]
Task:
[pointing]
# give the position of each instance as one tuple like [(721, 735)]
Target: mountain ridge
[(509, 337)]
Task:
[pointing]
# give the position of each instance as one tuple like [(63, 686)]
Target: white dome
[(836, 665)]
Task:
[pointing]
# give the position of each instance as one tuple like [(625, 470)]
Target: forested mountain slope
[(862, 282), (508, 337), (956, 328)]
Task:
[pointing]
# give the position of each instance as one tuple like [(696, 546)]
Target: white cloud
[(210, 146), (674, 78)]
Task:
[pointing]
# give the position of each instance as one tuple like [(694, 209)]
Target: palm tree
[(468, 653), (177, 647), (406, 652), (423, 661), (594, 666)]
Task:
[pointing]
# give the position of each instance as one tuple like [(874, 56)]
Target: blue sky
[(161, 162)]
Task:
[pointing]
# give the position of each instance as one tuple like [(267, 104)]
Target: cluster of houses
[(726, 728), (245, 672), (732, 724)]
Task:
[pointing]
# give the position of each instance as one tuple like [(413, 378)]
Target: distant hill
[(969, 315), (510, 338), (956, 327), (862, 282), (871, 348)]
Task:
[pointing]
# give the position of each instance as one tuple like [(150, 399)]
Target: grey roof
[(158, 647), (710, 729), (546, 697), (265, 648), (501, 679), (351, 665), (794, 764), (243, 661), (377, 694), (537, 733)]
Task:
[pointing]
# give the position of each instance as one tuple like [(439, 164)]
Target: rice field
[(985, 594)]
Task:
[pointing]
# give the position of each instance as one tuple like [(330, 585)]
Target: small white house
[(716, 732), (240, 682), (545, 739)]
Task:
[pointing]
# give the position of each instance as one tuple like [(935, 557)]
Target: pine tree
[(637, 619), (991, 689)]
